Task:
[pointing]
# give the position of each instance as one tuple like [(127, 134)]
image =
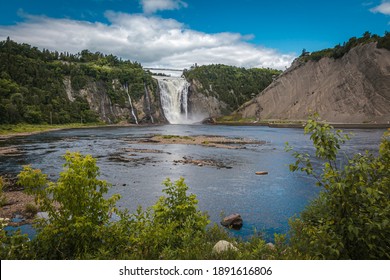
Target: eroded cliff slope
[(352, 89)]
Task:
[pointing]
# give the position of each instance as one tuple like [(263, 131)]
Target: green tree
[(78, 214), (351, 217)]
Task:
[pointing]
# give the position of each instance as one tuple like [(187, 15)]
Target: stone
[(223, 246), (261, 172), (270, 245), (233, 221)]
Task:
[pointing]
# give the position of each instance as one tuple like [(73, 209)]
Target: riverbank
[(16, 206), (289, 123), (8, 131)]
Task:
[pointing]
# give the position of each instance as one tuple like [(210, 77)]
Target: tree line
[(230, 84), (32, 86), (340, 50)]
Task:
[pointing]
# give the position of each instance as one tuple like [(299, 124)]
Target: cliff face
[(352, 89), (146, 109), (204, 105)]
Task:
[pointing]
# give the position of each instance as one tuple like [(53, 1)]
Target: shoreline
[(275, 124), (302, 124)]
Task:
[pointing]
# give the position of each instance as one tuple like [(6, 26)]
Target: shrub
[(31, 209), (78, 213), (3, 199), (351, 217), (15, 245)]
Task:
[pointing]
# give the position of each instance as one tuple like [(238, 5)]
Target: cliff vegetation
[(32, 87), (340, 50), (229, 84)]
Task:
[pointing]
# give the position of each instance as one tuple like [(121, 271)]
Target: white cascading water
[(126, 87), (174, 99)]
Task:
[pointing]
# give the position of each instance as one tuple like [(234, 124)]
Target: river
[(265, 202)]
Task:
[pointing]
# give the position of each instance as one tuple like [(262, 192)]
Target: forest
[(32, 83), (230, 84), (340, 50)]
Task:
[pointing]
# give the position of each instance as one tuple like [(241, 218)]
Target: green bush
[(351, 217), (3, 199), (31, 209), (78, 214), (13, 245)]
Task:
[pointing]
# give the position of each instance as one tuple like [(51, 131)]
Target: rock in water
[(223, 246), (233, 221), (261, 172)]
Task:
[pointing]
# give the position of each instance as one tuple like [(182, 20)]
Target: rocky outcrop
[(233, 221), (201, 102), (351, 89), (223, 246), (147, 109)]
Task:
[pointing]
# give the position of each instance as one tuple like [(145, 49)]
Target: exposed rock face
[(352, 89), (147, 109), (202, 104)]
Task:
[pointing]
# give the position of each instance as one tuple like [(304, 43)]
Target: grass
[(8, 129)]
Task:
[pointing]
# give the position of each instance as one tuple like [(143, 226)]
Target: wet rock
[(209, 120), (261, 172), (233, 221), (223, 246)]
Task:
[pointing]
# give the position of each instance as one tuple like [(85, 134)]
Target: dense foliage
[(32, 86), (340, 50), (232, 85), (351, 217)]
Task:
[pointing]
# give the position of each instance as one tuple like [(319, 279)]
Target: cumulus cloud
[(152, 41), (383, 8), (152, 6)]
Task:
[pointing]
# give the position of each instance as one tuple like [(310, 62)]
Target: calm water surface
[(265, 202)]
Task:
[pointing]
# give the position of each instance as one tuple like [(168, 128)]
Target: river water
[(265, 202)]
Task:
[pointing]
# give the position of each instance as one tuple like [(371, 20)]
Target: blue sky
[(179, 33)]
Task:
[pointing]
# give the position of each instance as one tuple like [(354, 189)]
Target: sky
[(179, 33)]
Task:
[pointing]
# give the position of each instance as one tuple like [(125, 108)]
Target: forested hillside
[(340, 50), (32, 86), (232, 85)]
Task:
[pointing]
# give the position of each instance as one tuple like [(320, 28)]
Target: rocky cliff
[(146, 109), (204, 104), (352, 89)]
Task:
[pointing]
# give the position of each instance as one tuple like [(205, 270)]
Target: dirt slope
[(352, 89)]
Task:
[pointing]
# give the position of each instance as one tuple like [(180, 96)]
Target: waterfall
[(174, 99), (147, 97), (126, 87)]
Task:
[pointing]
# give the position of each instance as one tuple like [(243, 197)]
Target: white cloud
[(152, 41), (152, 6), (383, 8)]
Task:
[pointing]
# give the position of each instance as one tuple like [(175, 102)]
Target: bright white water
[(174, 99), (126, 88)]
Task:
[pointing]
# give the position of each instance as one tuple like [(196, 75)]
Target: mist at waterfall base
[(174, 100), (265, 202)]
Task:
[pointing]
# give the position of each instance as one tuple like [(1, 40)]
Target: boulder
[(270, 245), (232, 221), (223, 246)]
